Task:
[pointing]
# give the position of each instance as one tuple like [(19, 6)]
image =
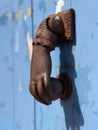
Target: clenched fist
[(43, 87)]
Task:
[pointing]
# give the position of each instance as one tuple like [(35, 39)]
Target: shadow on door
[(72, 111)]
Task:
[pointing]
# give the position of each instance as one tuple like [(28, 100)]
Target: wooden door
[(18, 109)]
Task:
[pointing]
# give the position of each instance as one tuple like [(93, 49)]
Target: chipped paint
[(59, 6), (29, 43), (19, 14), (29, 12)]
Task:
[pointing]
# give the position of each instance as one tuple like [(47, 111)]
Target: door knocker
[(52, 30)]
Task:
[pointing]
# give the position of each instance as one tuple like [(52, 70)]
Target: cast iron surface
[(51, 30)]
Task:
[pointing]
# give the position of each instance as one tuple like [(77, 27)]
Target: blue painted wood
[(6, 68), (16, 104), (80, 62), (18, 109), (53, 116)]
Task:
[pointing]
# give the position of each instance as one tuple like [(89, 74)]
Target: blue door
[(18, 109)]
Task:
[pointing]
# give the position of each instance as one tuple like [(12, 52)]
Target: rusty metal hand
[(43, 87), (40, 72)]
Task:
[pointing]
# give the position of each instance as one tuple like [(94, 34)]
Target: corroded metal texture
[(51, 30), (68, 18), (66, 81), (55, 28), (45, 36)]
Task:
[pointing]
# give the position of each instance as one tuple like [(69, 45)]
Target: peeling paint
[(19, 14), (9, 16), (29, 43), (29, 12)]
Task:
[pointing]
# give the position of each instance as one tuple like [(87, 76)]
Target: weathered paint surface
[(18, 109)]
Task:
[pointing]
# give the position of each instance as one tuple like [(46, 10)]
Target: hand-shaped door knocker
[(55, 28)]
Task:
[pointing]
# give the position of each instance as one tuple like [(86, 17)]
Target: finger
[(42, 91), (67, 84), (48, 86), (33, 91)]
